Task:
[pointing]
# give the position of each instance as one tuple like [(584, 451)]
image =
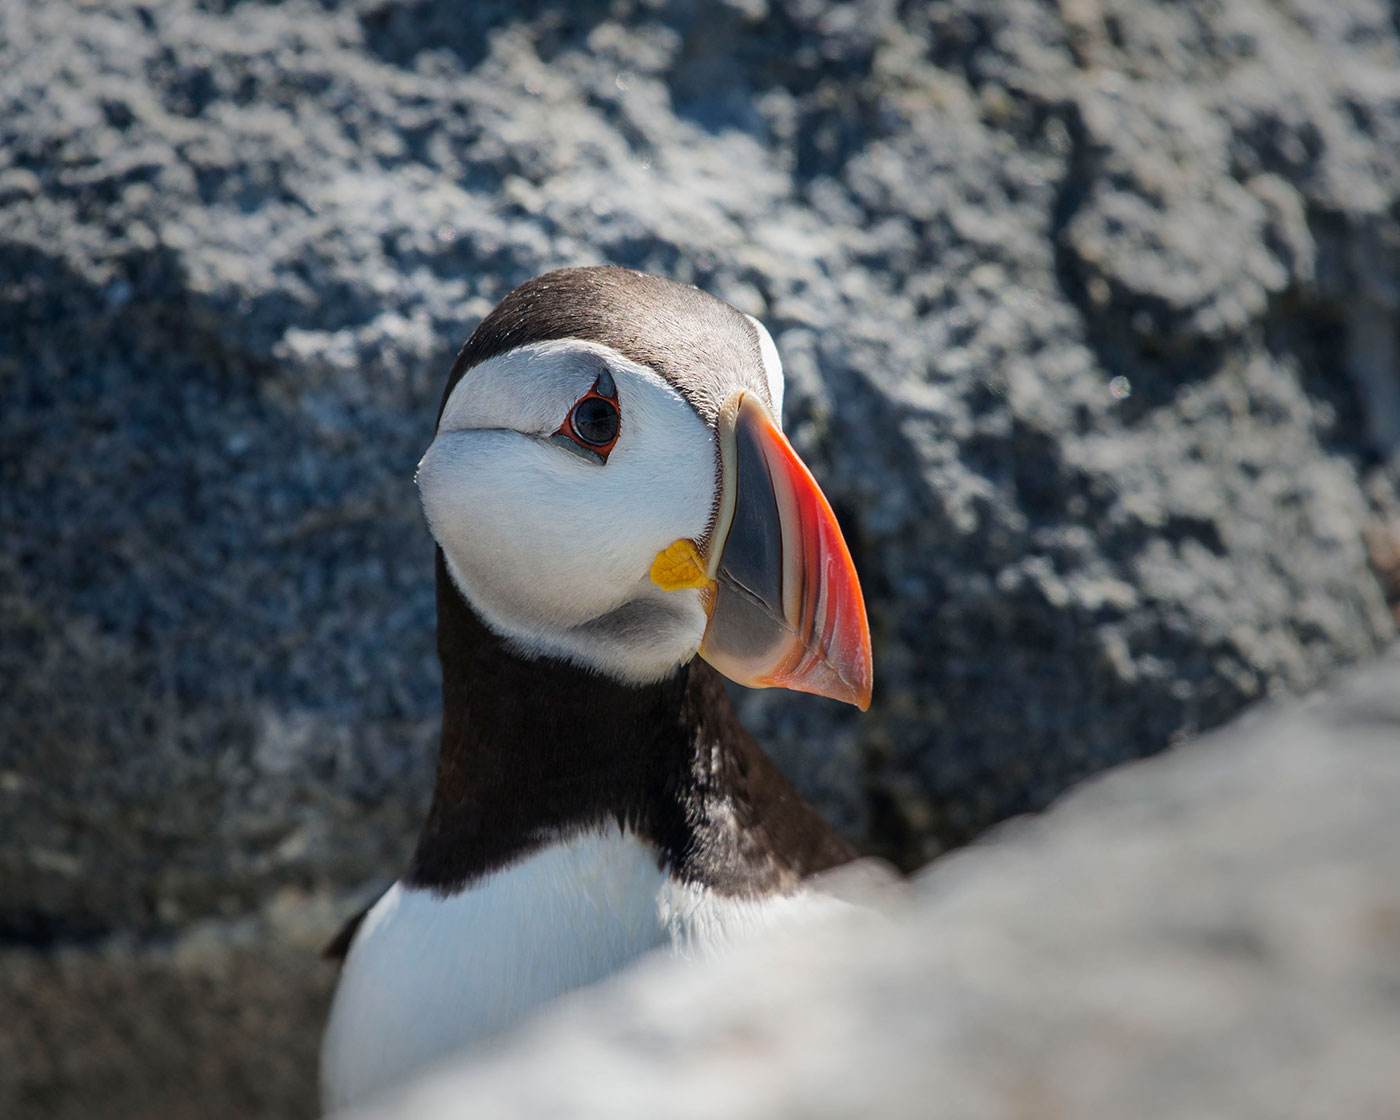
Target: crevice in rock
[(28, 928), (397, 33)]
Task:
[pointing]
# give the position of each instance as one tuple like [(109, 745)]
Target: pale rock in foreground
[(1211, 933)]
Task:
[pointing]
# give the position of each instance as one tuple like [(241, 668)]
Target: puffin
[(621, 525)]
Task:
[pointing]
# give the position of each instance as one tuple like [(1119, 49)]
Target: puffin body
[(611, 495)]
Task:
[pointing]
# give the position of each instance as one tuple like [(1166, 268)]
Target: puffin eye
[(595, 421), (592, 426)]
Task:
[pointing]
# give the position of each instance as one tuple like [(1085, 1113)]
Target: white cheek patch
[(772, 368), (552, 550)]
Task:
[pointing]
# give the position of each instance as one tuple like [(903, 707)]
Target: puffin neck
[(536, 750)]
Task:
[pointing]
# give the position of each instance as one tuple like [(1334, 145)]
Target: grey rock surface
[(1090, 313), (221, 1022), (1215, 932)]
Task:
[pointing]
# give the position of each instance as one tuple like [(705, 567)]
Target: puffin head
[(610, 485)]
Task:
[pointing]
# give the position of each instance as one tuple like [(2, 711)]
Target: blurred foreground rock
[(1211, 933)]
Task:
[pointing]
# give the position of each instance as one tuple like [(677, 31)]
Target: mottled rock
[(221, 1021), (1089, 323)]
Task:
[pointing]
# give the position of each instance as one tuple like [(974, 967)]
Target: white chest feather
[(428, 975)]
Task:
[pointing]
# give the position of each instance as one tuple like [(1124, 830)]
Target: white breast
[(428, 975)]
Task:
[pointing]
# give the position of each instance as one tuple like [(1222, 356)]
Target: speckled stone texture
[(1091, 318)]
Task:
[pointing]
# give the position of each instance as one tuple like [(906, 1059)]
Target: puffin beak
[(786, 609)]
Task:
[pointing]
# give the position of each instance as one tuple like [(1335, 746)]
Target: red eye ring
[(594, 424)]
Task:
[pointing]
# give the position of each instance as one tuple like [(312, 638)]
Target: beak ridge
[(787, 609)]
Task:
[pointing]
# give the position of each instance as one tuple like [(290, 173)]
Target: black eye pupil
[(595, 421)]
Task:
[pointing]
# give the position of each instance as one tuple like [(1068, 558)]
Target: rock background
[(1091, 317)]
